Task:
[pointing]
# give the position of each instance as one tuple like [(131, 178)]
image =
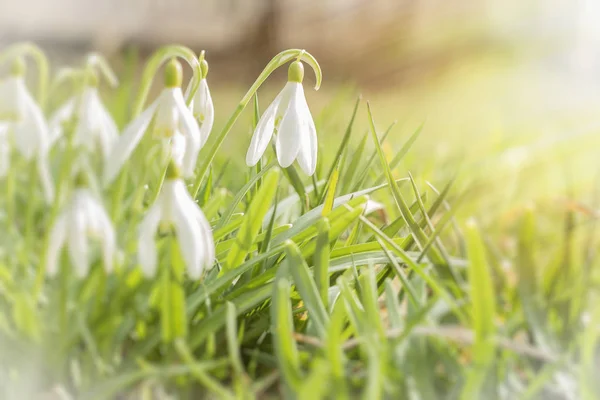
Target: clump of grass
[(358, 282)]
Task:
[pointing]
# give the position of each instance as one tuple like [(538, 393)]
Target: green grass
[(314, 298)]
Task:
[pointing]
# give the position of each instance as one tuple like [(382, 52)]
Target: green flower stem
[(30, 211), (63, 298), (155, 62), (117, 195), (74, 76), (11, 179), (28, 48), (96, 60), (277, 61), (64, 175), (165, 300)]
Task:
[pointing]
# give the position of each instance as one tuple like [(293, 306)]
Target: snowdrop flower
[(83, 218), (175, 207), (24, 126), (202, 105), (170, 120), (289, 117), (95, 129)]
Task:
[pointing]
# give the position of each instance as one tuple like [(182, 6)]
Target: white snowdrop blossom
[(202, 105), (171, 121), (83, 218), (95, 129), (289, 118), (25, 128), (175, 207), (203, 110)]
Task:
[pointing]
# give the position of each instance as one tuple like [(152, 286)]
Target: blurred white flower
[(175, 207), (289, 117), (203, 110), (95, 128), (171, 121), (24, 126), (84, 217)]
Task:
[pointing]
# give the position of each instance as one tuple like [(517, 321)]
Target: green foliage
[(312, 296)]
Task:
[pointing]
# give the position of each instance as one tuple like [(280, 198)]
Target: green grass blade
[(282, 328), (225, 218), (306, 287), (252, 221), (483, 312), (415, 229), (403, 151), (330, 193), (321, 260)]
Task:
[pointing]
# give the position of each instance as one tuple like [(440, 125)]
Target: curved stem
[(277, 61), (74, 76), (159, 57), (28, 48), (96, 60)]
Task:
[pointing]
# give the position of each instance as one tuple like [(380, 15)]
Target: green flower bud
[(18, 67), (296, 72), (173, 74), (173, 171), (81, 180), (204, 68)]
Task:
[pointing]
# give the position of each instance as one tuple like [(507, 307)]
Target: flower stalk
[(18, 50), (277, 61)]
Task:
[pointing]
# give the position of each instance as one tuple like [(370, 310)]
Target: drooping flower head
[(95, 130), (170, 121), (289, 118), (82, 219), (202, 105), (24, 126), (175, 208)]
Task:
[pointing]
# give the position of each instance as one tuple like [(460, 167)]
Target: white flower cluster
[(85, 126)]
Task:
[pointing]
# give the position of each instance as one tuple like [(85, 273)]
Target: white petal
[(146, 244), (100, 127), (207, 241), (167, 116), (109, 133), (190, 130), (372, 206), (189, 236), (205, 244), (290, 130), (55, 244), (204, 110), (11, 98), (178, 148), (109, 241), (307, 156), (45, 178), (102, 229), (77, 241), (264, 131), (31, 133), (127, 142)]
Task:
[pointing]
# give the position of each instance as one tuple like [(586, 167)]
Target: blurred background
[(508, 90)]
